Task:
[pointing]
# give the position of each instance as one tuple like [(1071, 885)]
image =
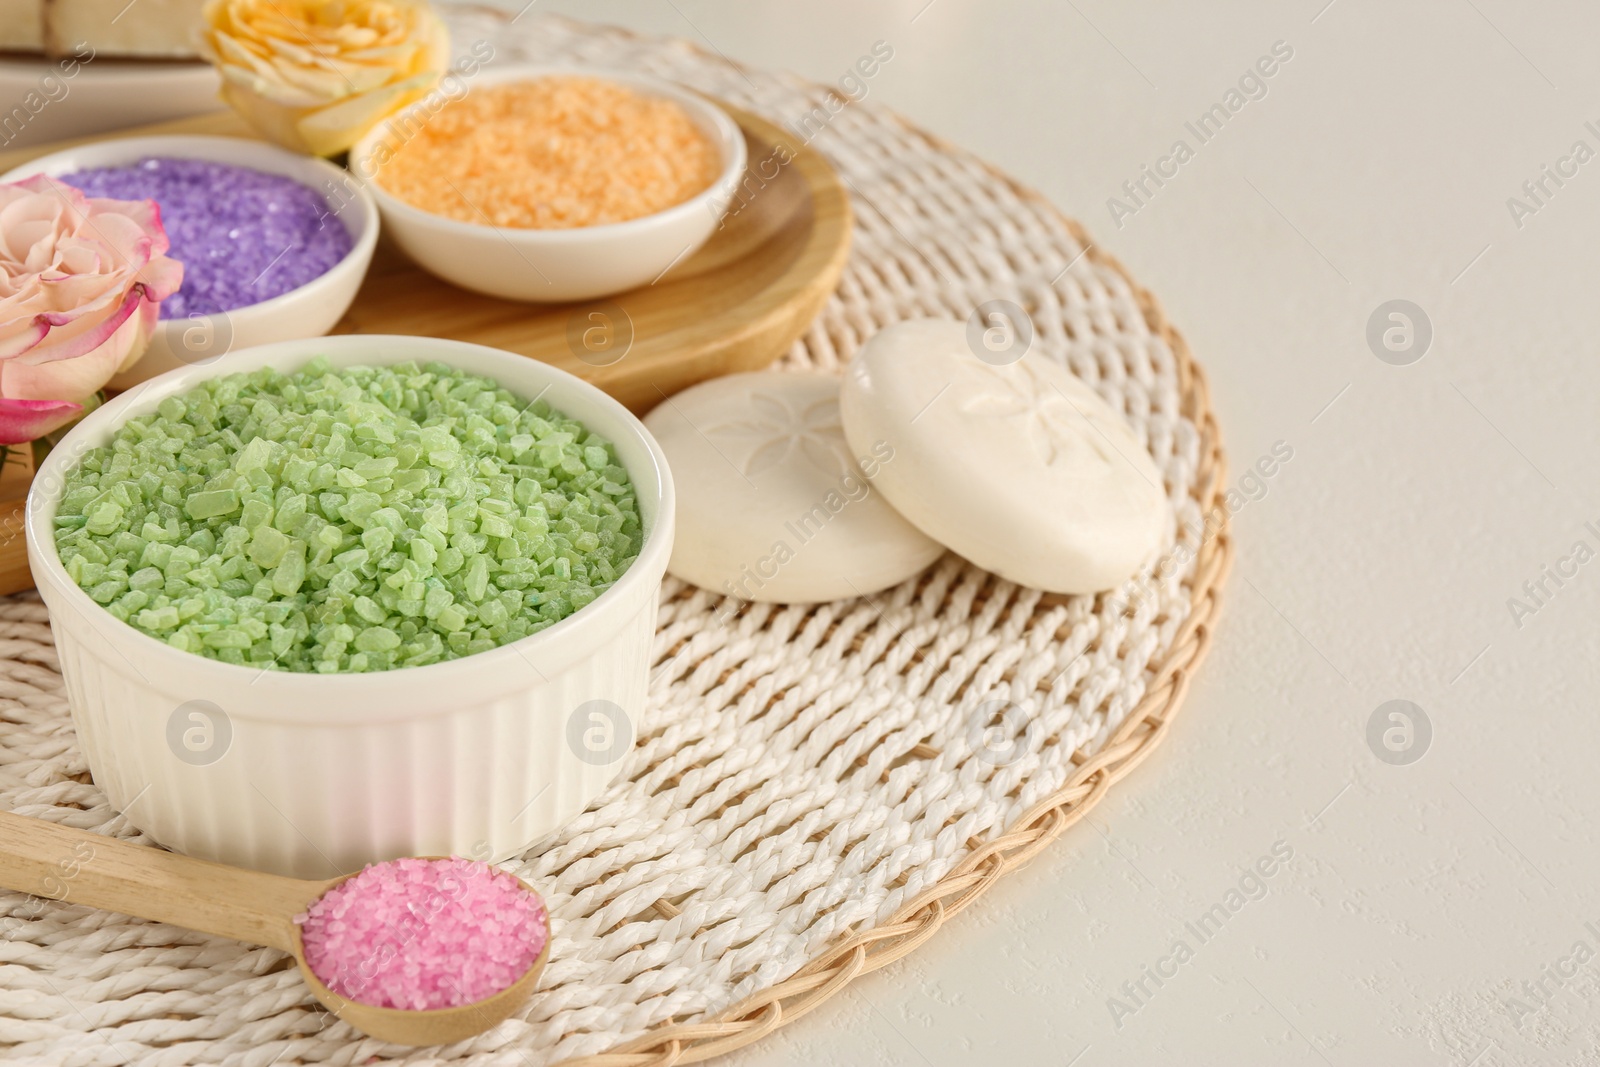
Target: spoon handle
[(78, 867)]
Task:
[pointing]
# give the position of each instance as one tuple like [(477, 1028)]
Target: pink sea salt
[(422, 934)]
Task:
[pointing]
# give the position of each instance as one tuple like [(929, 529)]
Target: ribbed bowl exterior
[(483, 779), (314, 776)]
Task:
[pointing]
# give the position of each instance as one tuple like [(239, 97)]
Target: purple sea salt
[(242, 235)]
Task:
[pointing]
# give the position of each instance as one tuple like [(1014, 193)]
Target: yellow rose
[(315, 75)]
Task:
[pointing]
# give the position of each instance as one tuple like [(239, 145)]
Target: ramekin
[(312, 775), (555, 265), (308, 311)]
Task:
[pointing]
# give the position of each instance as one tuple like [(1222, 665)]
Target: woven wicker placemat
[(816, 789)]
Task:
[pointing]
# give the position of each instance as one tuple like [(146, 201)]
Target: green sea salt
[(351, 520)]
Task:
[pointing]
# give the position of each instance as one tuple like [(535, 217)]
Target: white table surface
[(1419, 898)]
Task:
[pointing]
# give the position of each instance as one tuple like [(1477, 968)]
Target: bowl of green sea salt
[(354, 598)]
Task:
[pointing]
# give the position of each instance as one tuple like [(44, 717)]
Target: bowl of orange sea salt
[(554, 184)]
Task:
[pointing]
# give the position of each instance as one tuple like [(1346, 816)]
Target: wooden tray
[(734, 305)]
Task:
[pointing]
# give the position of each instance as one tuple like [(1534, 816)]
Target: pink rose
[(80, 281)]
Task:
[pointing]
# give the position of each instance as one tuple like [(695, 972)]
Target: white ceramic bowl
[(312, 775), (557, 265), (309, 311)]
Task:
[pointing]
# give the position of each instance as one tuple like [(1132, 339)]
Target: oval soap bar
[(1020, 467), (773, 505)]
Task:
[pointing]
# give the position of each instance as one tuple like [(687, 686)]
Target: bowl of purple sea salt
[(274, 245)]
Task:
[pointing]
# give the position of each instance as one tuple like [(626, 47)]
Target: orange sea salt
[(553, 153)]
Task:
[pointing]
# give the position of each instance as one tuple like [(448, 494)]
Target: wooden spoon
[(78, 867)]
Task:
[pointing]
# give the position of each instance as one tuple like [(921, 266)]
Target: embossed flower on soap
[(775, 430), (315, 75), (1060, 432), (81, 279)]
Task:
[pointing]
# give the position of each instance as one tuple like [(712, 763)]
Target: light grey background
[(1378, 566)]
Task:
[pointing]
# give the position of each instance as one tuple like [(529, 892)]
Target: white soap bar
[(1021, 467), (772, 503)]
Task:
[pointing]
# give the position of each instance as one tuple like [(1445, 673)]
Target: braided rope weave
[(808, 800)]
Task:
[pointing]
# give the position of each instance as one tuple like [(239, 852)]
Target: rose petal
[(86, 341), (23, 340), (145, 322), (138, 226), (274, 122), (24, 380), (26, 420), (161, 278), (44, 183), (334, 129)]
